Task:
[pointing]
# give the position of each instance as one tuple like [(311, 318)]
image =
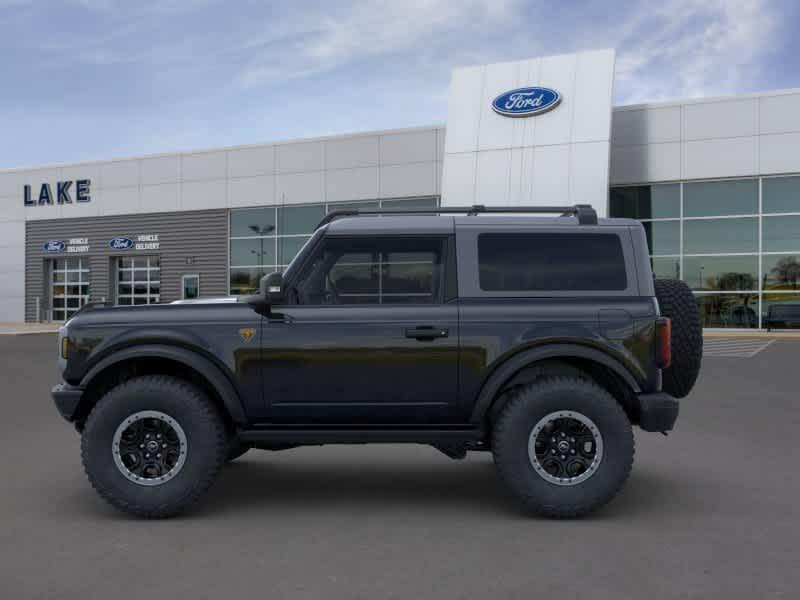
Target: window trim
[(319, 246)]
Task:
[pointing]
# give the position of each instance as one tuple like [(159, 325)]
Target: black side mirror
[(272, 288)]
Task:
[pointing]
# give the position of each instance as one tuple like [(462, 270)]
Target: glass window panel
[(137, 300), (728, 310), (73, 263), (125, 288), (73, 276), (781, 234), (550, 261), (667, 267), (140, 288), (646, 201), (719, 198), (125, 262), (59, 264), (58, 290), (352, 279), (663, 237), (73, 302), (299, 219), (721, 272), (125, 275), (780, 194), (58, 302), (410, 277), (140, 275), (352, 205), (250, 221), (720, 236), (289, 247), (59, 276), (410, 203), (780, 272), (59, 315), (249, 252), (124, 300), (773, 310), (74, 290), (245, 281)]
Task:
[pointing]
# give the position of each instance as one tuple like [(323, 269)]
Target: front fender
[(204, 367)]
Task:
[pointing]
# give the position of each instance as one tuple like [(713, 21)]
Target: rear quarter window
[(531, 262)]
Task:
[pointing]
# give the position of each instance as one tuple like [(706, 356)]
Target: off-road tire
[(206, 445), (512, 430), (677, 302)]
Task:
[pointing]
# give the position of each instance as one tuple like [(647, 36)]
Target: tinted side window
[(380, 270), (551, 262)]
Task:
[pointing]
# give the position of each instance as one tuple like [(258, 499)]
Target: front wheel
[(564, 446), (153, 445)]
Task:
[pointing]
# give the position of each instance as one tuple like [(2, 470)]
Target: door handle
[(426, 332)]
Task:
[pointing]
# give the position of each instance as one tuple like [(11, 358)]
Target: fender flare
[(506, 370), (202, 365)]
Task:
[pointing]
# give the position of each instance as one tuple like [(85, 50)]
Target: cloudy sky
[(94, 79)]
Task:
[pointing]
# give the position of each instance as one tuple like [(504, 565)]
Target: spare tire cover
[(677, 302)]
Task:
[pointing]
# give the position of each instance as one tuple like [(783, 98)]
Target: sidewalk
[(27, 328), (752, 334)]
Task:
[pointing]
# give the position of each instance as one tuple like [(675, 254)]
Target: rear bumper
[(67, 398), (658, 411)]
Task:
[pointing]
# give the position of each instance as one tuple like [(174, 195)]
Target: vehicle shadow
[(470, 486)]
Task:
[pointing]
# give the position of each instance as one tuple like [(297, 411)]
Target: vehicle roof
[(444, 224)]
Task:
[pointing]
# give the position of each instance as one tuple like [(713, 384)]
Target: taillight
[(663, 342)]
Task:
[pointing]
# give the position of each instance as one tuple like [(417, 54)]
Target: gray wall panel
[(199, 236)]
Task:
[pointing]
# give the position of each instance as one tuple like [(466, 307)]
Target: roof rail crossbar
[(585, 214)]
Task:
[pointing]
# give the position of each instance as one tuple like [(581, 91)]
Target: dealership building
[(716, 183)]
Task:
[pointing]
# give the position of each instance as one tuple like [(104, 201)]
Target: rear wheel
[(677, 302), (564, 446), (153, 445)]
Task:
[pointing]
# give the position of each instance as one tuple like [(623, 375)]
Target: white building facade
[(716, 183)]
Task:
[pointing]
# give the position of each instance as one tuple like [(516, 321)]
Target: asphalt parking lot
[(709, 512)]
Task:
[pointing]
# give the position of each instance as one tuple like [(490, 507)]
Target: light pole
[(261, 231)]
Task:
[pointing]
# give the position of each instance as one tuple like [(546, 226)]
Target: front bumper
[(67, 398), (657, 411)]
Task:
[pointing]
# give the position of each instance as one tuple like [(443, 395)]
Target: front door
[(368, 336)]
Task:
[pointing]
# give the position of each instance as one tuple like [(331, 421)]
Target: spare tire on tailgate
[(677, 302)]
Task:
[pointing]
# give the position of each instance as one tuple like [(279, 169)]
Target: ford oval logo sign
[(54, 246), (121, 243), (526, 102)]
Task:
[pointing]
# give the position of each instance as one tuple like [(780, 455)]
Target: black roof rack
[(585, 214)]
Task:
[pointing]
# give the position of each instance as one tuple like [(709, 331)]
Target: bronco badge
[(247, 333)]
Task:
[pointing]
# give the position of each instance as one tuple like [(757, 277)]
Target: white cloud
[(366, 29), (689, 48)]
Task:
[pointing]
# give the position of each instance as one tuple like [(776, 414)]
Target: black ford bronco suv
[(542, 340)]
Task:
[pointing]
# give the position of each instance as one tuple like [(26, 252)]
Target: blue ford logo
[(121, 243), (525, 102), (54, 246)]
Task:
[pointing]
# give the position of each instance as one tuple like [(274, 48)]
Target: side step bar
[(359, 435)]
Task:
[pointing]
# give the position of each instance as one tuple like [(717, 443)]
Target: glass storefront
[(266, 239), (735, 242)]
